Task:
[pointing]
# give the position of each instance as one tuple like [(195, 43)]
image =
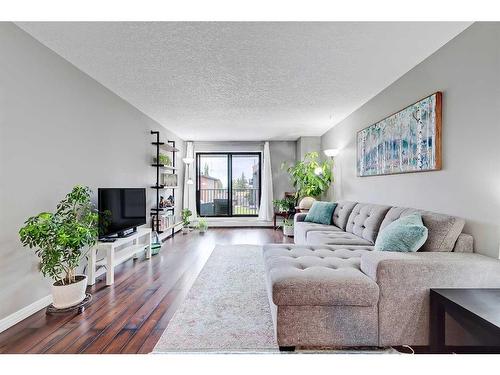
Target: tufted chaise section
[(318, 295), (365, 220), (310, 275)]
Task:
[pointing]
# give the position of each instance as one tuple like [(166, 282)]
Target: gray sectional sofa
[(331, 289)]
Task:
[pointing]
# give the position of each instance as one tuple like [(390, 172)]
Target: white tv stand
[(117, 252)]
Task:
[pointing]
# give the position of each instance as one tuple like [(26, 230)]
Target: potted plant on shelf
[(186, 215), (288, 227), (202, 225), (60, 240), (163, 159), (311, 178)]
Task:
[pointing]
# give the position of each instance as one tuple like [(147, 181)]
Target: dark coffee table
[(478, 308)]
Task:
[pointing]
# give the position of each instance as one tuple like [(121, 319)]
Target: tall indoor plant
[(311, 178), (61, 239)]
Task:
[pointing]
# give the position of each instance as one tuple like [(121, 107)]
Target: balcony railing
[(214, 202)]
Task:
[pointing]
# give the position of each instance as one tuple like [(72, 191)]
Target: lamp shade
[(188, 160), (332, 152)]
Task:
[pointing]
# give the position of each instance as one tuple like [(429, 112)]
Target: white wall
[(467, 71), (58, 128)]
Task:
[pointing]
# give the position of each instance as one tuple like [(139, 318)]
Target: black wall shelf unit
[(157, 211)]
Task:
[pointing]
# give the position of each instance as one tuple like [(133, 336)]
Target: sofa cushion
[(406, 234), (342, 212), (443, 230), (318, 276), (321, 213), (302, 228), (335, 238), (365, 219)]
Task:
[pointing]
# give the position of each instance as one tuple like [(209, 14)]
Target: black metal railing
[(214, 202)]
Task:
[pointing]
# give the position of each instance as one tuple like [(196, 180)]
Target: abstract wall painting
[(407, 141)]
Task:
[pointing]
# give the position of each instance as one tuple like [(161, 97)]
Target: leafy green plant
[(60, 237), (310, 177), (202, 224), (185, 215), (284, 205), (165, 159)]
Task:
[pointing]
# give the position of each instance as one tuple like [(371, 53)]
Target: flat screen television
[(121, 211)]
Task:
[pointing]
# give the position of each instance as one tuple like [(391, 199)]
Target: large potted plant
[(311, 178), (61, 239)]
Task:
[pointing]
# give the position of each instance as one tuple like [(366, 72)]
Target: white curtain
[(266, 197), (189, 195)]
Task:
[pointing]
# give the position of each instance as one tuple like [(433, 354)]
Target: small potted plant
[(202, 225), (61, 239), (288, 227), (284, 205), (186, 215)]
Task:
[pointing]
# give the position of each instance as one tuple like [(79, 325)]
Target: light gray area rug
[(227, 309)]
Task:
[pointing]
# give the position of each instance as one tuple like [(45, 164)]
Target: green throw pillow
[(321, 213), (406, 234)]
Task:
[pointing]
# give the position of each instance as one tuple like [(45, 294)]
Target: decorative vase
[(69, 295), (185, 230), (306, 203)]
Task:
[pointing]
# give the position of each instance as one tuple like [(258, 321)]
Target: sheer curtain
[(266, 197), (189, 192)]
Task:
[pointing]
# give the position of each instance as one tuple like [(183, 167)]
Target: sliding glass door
[(228, 184)]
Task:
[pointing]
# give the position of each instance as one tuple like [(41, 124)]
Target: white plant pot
[(185, 230), (288, 230), (202, 231), (69, 295), (306, 203)]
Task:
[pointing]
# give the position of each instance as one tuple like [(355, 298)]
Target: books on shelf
[(166, 221)]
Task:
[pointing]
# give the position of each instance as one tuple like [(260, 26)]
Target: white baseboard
[(223, 222), (22, 314)]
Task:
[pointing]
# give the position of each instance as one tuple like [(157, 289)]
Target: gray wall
[(305, 145), (58, 128), (467, 71), (281, 151)]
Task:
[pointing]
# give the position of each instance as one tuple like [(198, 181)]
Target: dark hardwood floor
[(131, 315)]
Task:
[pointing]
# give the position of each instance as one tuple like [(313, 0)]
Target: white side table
[(117, 252)]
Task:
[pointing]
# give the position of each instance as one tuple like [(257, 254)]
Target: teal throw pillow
[(321, 213), (406, 234)]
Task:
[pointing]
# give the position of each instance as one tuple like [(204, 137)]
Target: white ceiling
[(245, 81)]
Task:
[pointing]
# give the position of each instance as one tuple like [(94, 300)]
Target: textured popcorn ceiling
[(245, 81)]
